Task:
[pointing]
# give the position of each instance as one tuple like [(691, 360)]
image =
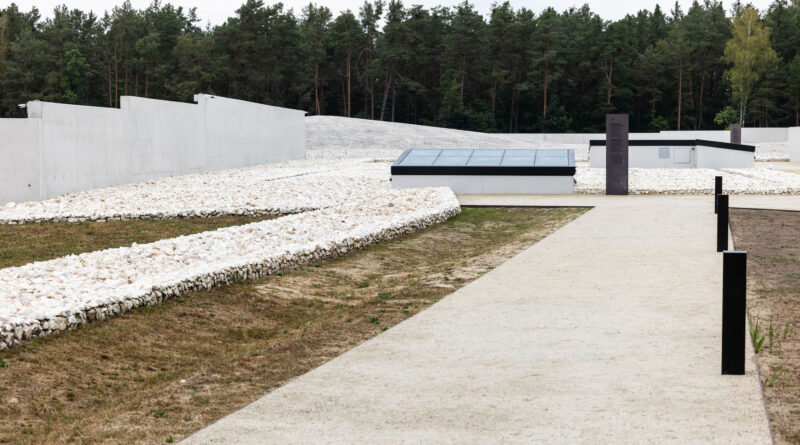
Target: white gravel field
[(45, 297), (283, 188)]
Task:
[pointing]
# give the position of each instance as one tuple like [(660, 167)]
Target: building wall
[(68, 148), (717, 158), (794, 144), (699, 157)]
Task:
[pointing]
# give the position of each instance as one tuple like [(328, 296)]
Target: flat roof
[(511, 162)]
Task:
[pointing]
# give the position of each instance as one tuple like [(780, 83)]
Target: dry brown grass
[(771, 240), (162, 372)]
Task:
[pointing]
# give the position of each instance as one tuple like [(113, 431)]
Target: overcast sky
[(216, 11)]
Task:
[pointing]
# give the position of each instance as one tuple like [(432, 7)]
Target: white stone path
[(607, 331)]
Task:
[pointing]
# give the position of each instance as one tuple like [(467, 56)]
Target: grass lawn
[(159, 373), (25, 243), (772, 240)]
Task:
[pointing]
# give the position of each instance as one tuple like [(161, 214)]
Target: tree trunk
[(348, 84), (511, 114), (680, 92), (700, 101), (610, 80), (61, 69), (544, 97), (316, 88), (493, 96), (386, 94), (116, 77), (110, 90), (394, 99)]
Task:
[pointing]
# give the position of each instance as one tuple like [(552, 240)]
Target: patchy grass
[(159, 373), (773, 246), (26, 243)]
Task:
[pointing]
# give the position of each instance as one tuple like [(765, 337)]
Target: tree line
[(511, 71)]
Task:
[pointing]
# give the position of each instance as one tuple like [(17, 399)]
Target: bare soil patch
[(25, 243), (772, 240), (158, 374)]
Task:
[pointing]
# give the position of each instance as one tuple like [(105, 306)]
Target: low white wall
[(699, 157), (19, 160), (717, 158), (794, 144), (67, 148), (647, 157), (750, 135)]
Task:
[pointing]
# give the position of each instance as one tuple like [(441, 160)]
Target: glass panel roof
[(488, 158)]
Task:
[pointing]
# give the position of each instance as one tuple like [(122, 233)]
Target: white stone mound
[(46, 297)]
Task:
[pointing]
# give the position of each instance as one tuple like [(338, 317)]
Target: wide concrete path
[(607, 331)]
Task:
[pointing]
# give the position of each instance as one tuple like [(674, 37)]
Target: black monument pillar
[(616, 154), (736, 134)]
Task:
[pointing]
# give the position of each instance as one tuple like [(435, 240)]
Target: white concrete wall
[(76, 148), (273, 134), (794, 144), (646, 157), (699, 157), (717, 158), (19, 160)]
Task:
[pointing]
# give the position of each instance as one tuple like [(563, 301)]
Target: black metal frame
[(478, 170)]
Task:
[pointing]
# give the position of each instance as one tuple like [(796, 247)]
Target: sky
[(216, 12)]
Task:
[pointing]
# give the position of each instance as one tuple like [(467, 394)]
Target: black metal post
[(722, 223), (717, 191), (734, 307)]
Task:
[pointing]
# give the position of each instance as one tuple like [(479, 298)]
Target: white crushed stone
[(332, 136), (643, 181), (274, 189), (772, 151), (788, 181), (46, 297)]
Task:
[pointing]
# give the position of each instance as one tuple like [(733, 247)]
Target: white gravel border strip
[(47, 297), (690, 181)]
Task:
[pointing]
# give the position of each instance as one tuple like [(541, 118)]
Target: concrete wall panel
[(19, 168), (68, 148), (794, 144)]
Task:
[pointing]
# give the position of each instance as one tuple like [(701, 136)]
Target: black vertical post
[(616, 154), (717, 191), (722, 223), (734, 307)]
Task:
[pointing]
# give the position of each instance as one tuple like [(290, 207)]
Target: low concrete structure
[(676, 153), (64, 148), (487, 171), (794, 144)]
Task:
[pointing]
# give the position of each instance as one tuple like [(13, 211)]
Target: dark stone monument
[(736, 134), (616, 154)]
